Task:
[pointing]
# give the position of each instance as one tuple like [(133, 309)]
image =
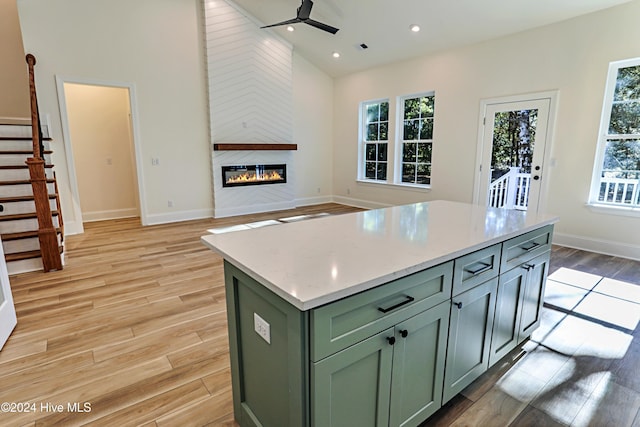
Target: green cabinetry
[(525, 263), (388, 356)]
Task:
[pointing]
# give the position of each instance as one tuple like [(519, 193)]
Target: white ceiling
[(384, 25)]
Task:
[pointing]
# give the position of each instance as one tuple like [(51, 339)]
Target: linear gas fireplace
[(240, 175)]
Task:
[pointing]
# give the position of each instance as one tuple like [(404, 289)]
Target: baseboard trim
[(606, 247), (311, 201), (109, 214), (359, 203)]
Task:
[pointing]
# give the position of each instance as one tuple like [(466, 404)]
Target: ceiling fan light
[(414, 28), (336, 55), (290, 28)]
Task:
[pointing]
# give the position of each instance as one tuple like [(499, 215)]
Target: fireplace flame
[(254, 177)]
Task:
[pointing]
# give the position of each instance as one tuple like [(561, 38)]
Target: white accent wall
[(251, 100)]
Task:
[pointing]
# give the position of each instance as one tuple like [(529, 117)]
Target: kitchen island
[(377, 317)]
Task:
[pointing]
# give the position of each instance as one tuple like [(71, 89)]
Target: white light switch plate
[(262, 328)]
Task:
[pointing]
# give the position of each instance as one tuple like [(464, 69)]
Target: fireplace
[(241, 175)]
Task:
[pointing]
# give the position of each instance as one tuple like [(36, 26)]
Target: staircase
[(18, 218), (31, 225)]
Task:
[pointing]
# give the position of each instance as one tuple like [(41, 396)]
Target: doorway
[(512, 153), (99, 125)]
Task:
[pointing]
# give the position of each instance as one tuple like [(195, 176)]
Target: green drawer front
[(343, 323), (475, 268), (525, 247)]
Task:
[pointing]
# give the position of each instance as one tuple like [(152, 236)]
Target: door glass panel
[(514, 134)]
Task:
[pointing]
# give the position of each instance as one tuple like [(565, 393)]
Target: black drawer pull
[(392, 340), (400, 304), (532, 247), (404, 333), (483, 267), (457, 304)]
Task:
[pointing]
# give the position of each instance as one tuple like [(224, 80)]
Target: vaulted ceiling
[(383, 25)]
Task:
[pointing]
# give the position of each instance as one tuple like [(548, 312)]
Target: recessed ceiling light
[(336, 55), (414, 27), (290, 28)]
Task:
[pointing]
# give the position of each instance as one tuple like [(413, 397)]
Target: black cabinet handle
[(528, 267), (400, 304), (392, 340), (404, 333), (1, 208), (483, 267), (530, 248), (458, 304)]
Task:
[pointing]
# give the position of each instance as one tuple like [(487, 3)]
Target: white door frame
[(66, 135), (552, 96), (8, 318)]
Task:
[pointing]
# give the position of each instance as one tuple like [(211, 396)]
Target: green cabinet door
[(469, 337), (533, 299), (506, 322), (351, 387), (418, 366)]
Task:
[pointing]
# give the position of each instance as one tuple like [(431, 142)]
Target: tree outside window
[(376, 137), (417, 139)]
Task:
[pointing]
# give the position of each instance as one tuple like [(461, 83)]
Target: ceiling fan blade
[(304, 11), (290, 21), (321, 26)]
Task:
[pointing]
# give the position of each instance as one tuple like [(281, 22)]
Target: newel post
[(49, 249)]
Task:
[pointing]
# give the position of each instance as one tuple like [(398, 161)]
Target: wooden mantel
[(237, 146)]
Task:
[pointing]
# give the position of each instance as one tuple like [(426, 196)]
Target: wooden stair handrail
[(35, 120), (47, 235)]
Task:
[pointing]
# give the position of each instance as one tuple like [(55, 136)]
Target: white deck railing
[(511, 190), (619, 191)]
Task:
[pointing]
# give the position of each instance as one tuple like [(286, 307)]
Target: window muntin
[(375, 139), (417, 139), (617, 174)]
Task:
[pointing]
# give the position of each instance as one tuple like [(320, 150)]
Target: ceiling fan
[(302, 15)]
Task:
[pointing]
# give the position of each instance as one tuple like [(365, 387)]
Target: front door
[(7, 311), (512, 153)]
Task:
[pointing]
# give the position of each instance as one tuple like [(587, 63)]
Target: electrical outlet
[(262, 328), (169, 203), (155, 161)]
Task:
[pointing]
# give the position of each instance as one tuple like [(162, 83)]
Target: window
[(417, 139), (375, 137), (616, 180)]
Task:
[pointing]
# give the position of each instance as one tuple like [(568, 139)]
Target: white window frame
[(362, 142), (399, 149), (603, 136)]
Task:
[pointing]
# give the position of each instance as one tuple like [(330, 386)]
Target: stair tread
[(21, 138), (21, 166), (18, 256), (22, 235), (21, 198), (23, 182), (22, 152), (23, 216)]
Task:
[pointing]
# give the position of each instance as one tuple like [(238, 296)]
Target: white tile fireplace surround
[(241, 200)]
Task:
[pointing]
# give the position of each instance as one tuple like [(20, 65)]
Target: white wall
[(157, 45), (103, 151), (14, 82), (313, 132), (571, 57)]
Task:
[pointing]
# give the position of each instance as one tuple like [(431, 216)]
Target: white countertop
[(314, 262)]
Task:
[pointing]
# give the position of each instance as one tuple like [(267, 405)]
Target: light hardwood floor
[(135, 325)]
